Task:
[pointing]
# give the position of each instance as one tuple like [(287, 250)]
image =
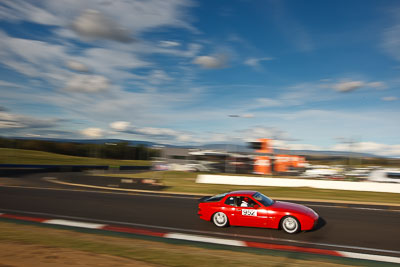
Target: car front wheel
[(220, 219), (290, 225)]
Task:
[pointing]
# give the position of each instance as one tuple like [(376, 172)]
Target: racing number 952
[(249, 212)]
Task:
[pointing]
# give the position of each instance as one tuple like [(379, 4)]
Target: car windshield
[(216, 197), (266, 201)]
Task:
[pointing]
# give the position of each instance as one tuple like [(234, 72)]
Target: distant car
[(253, 209), (385, 175)]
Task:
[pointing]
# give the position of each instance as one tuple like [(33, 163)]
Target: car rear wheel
[(220, 219), (290, 225)]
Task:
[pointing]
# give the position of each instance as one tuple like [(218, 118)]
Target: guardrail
[(279, 182)]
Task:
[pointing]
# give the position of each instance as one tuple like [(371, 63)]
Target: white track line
[(174, 195), (355, 208), (157, 194), (370, 257), (220, 241), (75, 224), (206, 232), (154, 194), (204, 239), (160, 194)]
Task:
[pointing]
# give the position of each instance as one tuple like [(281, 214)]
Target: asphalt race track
[(357, 228)]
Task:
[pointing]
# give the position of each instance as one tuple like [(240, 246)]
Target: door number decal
[(249, 212)]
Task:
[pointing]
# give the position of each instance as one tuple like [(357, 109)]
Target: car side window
[(246, 202), (252, 203), (231, 201)]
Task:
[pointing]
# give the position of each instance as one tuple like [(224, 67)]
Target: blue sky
[(310, 74)]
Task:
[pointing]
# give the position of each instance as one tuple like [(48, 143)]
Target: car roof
[(242, 192)]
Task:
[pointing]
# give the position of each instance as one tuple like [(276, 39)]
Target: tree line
[(116, 150)]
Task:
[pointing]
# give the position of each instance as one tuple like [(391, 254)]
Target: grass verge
[(186, 182), (147, 251), (21, 156)]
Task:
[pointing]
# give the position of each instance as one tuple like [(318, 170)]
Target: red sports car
[(251, 208)]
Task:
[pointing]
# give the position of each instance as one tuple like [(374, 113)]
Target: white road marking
[(138, 191), (370, 257), (133, 193), (182, 195), (163, 195), (356, 208), (207, 232), (204, 239), (343, 246), (75, 224)]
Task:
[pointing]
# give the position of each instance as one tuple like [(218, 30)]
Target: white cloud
[(377, 85), (185, 138), (348, 86), (303, 147), (32, 135), (159, 77), (112, 62), (211, 62), (248, 116), (87, 83), (77, 66), (10, 124), (48, 61), (35, 58), (390, 98), (155, 131), (169, 44), (370, 147), (269, 102), (93, 24), (92, 132), (257, 132), (120, 125), (297, 95), (255, 62), (10, 121), (135, 16), (145, 15), (161, 134), (32, 51), (17, 10), (8, 84), (281, 144), (391, 40)]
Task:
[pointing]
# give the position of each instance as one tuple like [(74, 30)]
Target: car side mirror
[(256, 206)]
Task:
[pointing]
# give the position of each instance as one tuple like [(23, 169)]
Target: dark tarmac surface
[(357, 228)]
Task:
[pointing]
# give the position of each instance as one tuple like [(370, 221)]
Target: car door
[(229, 208), (255, 215)]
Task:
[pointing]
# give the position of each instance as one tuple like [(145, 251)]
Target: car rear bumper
[(201, 214)]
